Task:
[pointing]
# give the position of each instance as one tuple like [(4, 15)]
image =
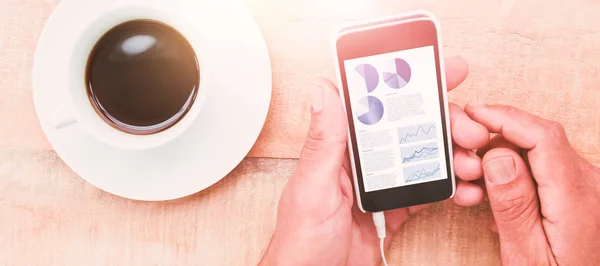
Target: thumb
[(322, 157), (514, 201)]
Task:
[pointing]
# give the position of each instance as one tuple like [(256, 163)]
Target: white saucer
[(226, 129)]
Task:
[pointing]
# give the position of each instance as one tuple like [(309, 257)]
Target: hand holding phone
[(319, 194), (393, 87)]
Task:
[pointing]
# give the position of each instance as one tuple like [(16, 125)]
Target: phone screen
[(394, 94), (394, 98)]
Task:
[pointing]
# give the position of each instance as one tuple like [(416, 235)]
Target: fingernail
[(316, 98), (500, 170)]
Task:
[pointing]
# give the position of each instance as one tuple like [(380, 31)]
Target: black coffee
[(142, 77)]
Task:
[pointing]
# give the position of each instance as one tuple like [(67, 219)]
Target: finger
[(467, 165), (466, 132), (498, 141), (468, 194), (322, 156), (515, 206), (525, 130), (395, 218), (550, 155), (346, 186), (493, 226), (480, 183), (457, 70), (417, 208), (346, 177), (346, 163)]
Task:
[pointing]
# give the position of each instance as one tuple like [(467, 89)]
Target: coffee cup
[(100, 106)]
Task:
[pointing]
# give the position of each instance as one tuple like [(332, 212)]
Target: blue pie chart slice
[(370, 75), (401, 77), (373, 110)]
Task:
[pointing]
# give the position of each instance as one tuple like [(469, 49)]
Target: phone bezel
[(349, 45)]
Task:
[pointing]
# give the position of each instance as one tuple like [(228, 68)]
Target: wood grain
[(537, 55), (49, 216)]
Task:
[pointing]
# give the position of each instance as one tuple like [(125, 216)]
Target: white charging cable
[(379, 221)]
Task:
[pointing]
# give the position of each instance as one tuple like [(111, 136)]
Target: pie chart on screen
[(370, 75), (369, 110), (400, 78)]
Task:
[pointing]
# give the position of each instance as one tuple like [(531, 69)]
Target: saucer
[(229, 123)]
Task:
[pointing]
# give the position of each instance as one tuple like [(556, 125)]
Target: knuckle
[(299, 198), (553, 131), (319, 139), (556, 128), (515, 208), (314, 140), (299, 201), (506, 109)]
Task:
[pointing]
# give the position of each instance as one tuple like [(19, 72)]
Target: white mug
[(81, 111)]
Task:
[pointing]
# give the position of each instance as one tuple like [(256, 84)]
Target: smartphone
[(392, 82)]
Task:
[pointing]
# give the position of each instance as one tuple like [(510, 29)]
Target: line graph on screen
[(416, 133), (419, 152), (422, 172)]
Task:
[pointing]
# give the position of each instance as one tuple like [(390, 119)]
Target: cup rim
[(82, 108)]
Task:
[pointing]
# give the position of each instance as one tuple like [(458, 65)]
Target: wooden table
[(539, 55)]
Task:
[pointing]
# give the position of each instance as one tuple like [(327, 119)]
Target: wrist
[(295, 249), (269, 258), (275, 254)]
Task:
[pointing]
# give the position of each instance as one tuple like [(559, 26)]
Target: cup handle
[(63, 119)]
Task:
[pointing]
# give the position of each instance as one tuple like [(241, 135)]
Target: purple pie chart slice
[(374, 110), (370, 75), (394, 80), (401, 77)]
